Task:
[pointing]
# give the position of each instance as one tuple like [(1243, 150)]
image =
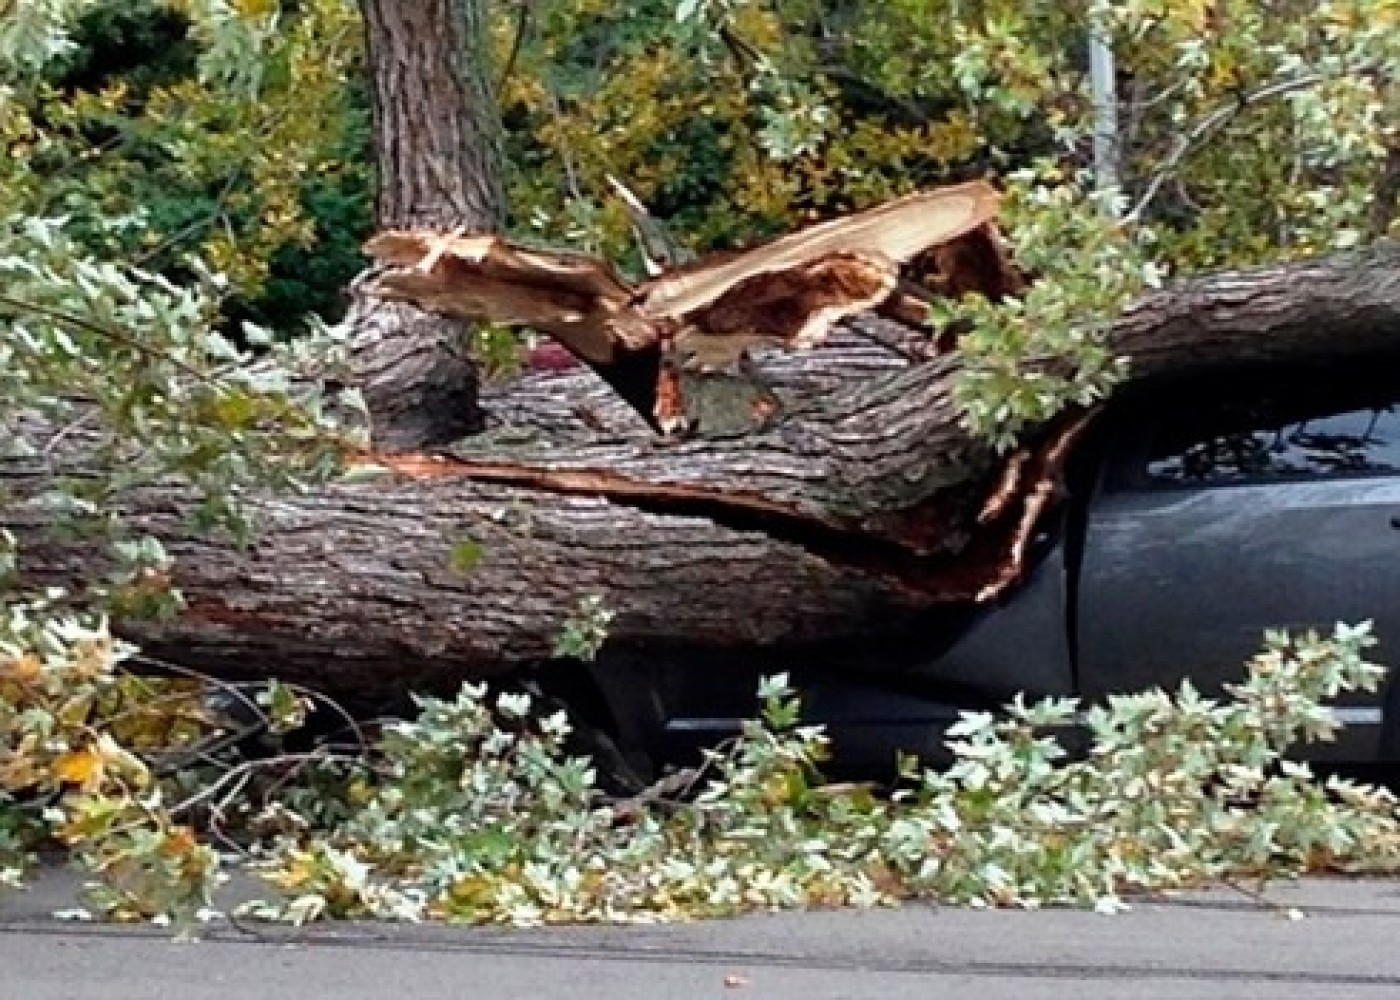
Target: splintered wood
[(705, 315)]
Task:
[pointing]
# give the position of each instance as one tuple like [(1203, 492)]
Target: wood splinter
[(702, 315)]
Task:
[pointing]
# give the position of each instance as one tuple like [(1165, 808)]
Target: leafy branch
[(20, 307), (1218, 120)]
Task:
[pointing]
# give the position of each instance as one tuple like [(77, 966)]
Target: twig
[(570, 174), (191, 228), (521, 27), (740, 47), (217, 809), (666, 790), (249, 702), (238, 772), (1147, 103), (1257, 897), (227, 687), (1217, 120), (71, 427), (116, 336)]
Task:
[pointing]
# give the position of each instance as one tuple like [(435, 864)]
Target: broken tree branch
[(707, 314)]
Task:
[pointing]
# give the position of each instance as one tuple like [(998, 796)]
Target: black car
[(1198, 514)]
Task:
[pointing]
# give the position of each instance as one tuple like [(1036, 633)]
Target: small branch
[(188, 230), (522, 26), (236, 692), (84, 418), (1213, 123), (907, 108), (237, 774), (670, 790), (73, 320), (1257, 897), (744, 51), (565, 154)]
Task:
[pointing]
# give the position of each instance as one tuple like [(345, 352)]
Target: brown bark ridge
[(437, 144), (863, 510)]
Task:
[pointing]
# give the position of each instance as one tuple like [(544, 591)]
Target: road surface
[(1208, 945)]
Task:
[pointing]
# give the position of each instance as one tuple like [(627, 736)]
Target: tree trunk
[(860, 514), (437, 144)]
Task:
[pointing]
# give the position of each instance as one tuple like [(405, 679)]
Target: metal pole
[(1105, 95)]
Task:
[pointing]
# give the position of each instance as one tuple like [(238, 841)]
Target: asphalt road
[(1211, 945)]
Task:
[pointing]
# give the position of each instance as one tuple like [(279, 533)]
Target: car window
[(1338, 429), (1361, 442)]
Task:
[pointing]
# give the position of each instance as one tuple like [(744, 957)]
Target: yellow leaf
[(79, 767), (22, 669), (17, 772)]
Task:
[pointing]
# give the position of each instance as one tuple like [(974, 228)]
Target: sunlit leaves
[(478, 811), (34, 32), (170, 151), (97, 796), (126, 363), (585, 631), (235, 39), (1028, 358), (1245, 135), (107, 361)]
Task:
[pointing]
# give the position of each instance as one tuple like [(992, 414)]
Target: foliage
[(144, 112), (1176, 791), (130, 364), (1247, 132), (584, 633), (111, 359), (142, 226), (102, 352), (65, 772), (477, 812), (1010, 379)]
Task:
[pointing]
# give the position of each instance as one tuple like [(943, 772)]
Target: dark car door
[(1232, 507)]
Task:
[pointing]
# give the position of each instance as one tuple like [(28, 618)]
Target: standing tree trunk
[(437, 143)]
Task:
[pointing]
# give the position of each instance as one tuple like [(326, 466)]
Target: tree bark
[(859, 514), (437, 144)]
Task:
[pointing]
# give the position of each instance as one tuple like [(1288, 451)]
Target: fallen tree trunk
[(355, 590), (862, 508)]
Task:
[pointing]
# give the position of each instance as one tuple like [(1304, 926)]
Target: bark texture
[(859, 514), (355, 591), (437, 144), (436, 134)]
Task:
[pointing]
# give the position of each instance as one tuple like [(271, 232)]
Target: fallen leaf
[(79, 767)]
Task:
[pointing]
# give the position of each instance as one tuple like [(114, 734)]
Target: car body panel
[(1165, 561), (1186, 583), (1019, 645)]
